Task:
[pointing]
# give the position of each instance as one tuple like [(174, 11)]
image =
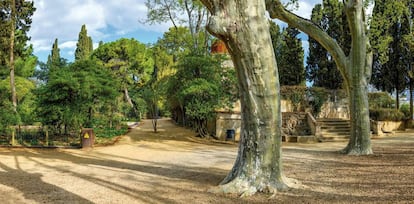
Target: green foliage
[(384, 114), (183, 12), (201, 98), (390, 25), (110, 132), (130, 61), (289, 54), (84, 47), (303, 98), (382, 108), (319, 96), (405, 109), (24, 13), (321, 68), (380, 100), (201, 86), (7, 115), (295, 94), (74, 93), (290, 59)]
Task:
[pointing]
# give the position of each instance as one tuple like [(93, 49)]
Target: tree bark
[(11, 62), (128, 98), (355, 68), (243, 26), (360, 66)]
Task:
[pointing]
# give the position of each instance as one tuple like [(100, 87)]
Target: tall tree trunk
[(128, 98), (397, 98), (355, 68), (411, 97), (243, 26), (360, 66), (12, 36)]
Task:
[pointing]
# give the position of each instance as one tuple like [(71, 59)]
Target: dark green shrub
[(405, 109), (318, 96), (380, 100), (111, 132), (383, 114), (297, 95)]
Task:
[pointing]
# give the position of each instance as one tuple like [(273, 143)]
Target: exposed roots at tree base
[(356, 151), (243, 187)]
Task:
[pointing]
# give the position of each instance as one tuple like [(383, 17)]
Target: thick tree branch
[(277, 10)]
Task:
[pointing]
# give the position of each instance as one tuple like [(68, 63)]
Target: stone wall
[(381, 128), (228, 121), (338, 109)]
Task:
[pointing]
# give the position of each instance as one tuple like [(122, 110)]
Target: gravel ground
[(173, 166)]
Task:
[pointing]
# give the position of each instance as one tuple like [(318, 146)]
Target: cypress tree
[(290, 64), (388, 28), (321, 68), (54, 57), (289, 54), (84, 46)]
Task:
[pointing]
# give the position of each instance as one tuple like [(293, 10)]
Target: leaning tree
[(355, 67), (243, 26)]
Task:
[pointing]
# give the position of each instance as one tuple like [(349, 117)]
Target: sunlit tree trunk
[(355, 68), (11, 62), (243, 26)]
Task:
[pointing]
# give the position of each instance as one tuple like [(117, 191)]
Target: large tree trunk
[(11, 63), (355, 68), (359, 66), (243, 26)]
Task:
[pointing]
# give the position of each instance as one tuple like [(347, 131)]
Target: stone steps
[(333, 130)]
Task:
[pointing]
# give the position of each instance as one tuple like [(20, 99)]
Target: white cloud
[(305, 9), (68, 44), (104, 19)]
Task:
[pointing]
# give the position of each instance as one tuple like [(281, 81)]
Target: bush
[(319, 96), (297, 95), (111, 132), (383, 114), (405, 109), (380, 100)]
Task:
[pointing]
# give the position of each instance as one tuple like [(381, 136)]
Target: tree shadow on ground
[(200, 176), (18, 179)]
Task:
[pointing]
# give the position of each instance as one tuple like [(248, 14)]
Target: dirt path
[(173, 166)]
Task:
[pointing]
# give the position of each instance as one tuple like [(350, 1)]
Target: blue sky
[(105, 20)]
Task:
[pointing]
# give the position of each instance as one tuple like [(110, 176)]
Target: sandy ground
[(173, 166)]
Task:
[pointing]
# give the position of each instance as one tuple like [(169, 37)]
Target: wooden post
[(13, 141), (47, 136)]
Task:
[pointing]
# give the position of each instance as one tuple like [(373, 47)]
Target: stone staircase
[(332, 130), (295, 128)]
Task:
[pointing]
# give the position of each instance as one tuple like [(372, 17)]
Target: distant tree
[(54, 61), (54, 58), (74, 95), (129, 61), (176, 42), (290, 61), (201, 86), (15, 22), (389, 25), (154, 92), (188, 12), (277, 39), (321, 68), (84, 47)]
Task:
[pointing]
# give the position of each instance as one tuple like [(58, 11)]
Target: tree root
[(355, 151), (244, 188)]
